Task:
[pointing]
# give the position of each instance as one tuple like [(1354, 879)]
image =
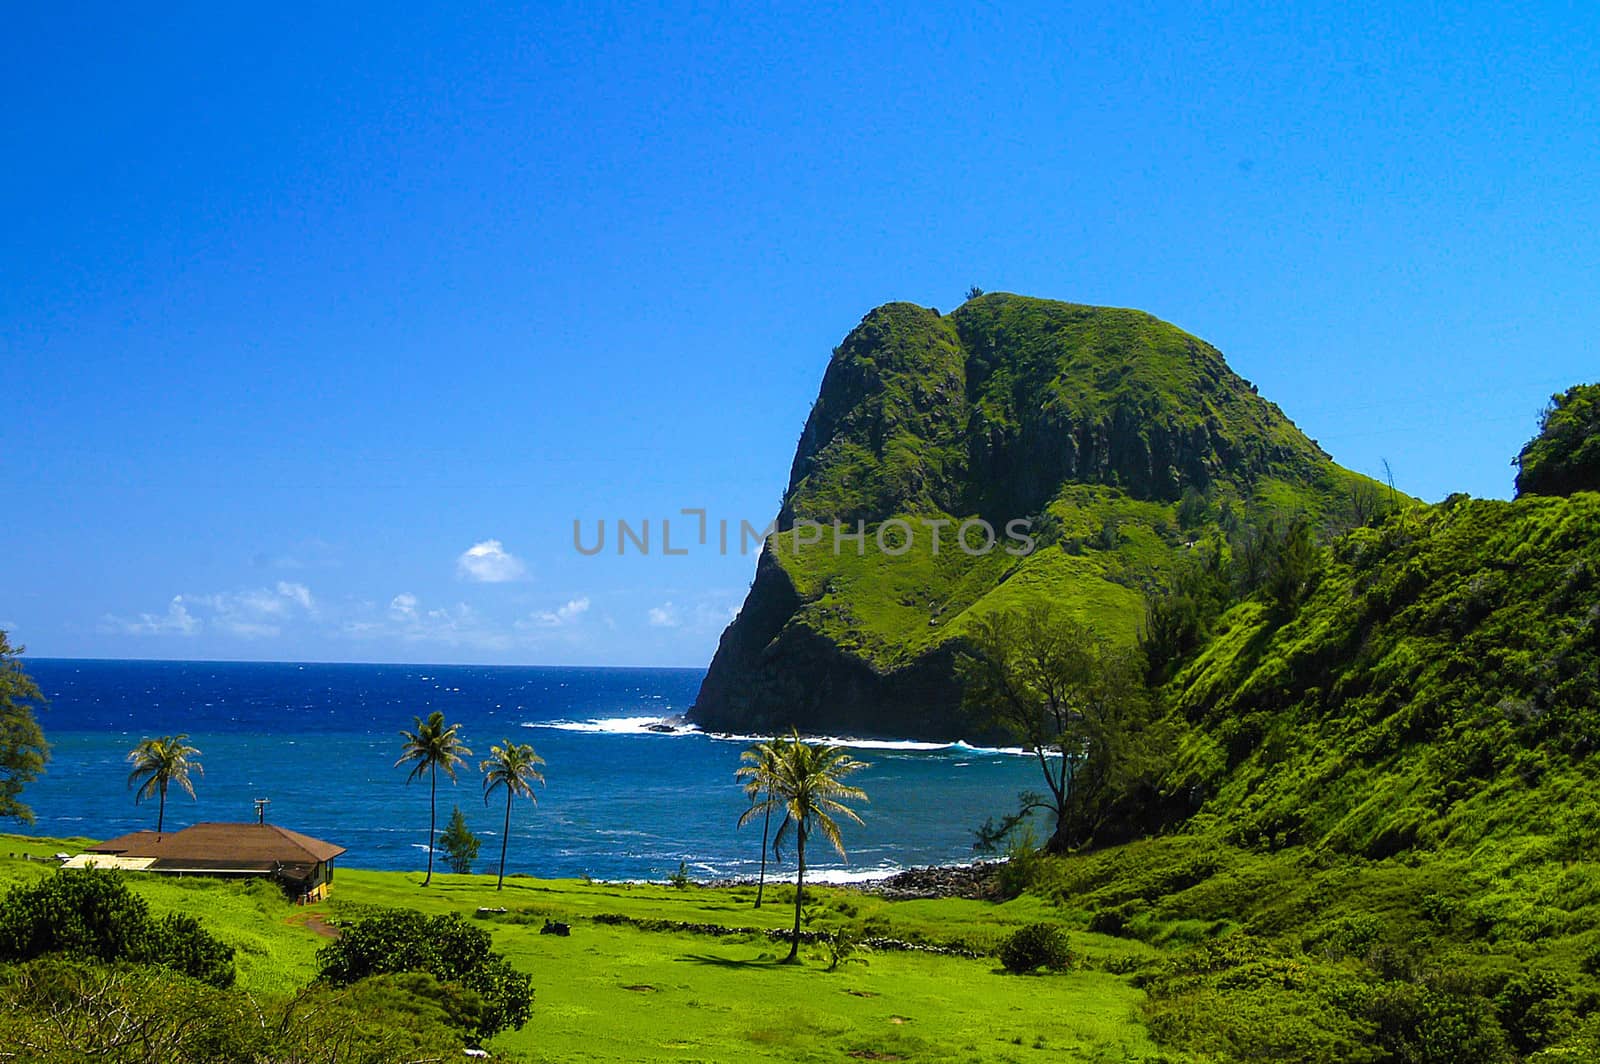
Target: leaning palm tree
[(809, 783), (433, 748), (510, 766), (758, 772), (159, 763)]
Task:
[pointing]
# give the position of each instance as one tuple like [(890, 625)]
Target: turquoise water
[(621, 801)]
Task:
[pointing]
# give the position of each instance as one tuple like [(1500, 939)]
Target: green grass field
[(615, 992)]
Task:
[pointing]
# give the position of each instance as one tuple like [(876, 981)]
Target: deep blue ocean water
[(621, 802)]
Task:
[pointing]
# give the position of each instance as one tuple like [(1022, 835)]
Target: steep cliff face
[(1114, 438)]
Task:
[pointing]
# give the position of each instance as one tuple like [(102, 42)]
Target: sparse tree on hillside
[(1068, 697), (511, 766), (159, 763), (433, 748), (23, 751)]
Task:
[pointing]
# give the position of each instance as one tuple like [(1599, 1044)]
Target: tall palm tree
[(433, 748), (809, 782), (510, 766), (758, 772), (159, 763)]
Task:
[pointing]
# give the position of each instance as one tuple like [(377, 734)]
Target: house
[(303, 866)]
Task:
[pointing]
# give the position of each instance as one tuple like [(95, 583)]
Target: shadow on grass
[(728, 962)]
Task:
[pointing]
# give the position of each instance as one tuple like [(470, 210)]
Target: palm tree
[(510, 766), (158, 763), (432, 748), (809, 783), (758, 773)]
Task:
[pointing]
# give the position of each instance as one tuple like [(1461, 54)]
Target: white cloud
[(664, 616), (297, 593), (715, 615), (176, 621), (563, 615), (408, 620), (252, 613), (489, 563)]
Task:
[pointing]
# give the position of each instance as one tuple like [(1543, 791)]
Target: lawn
[(618, 992)]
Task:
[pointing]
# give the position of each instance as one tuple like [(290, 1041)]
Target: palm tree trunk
[(799, 888), (766, 828), (505, 837), (433, 809), (161, 812)]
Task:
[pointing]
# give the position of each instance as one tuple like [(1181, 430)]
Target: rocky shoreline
[(977, 882)]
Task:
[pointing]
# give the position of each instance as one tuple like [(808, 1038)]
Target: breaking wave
[(679, 726)]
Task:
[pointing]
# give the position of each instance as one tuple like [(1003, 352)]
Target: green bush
[(1036, 946), (69, 1010), (446, 947), (94, 916)]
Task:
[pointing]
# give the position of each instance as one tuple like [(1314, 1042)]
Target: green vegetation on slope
[(1393, 805)]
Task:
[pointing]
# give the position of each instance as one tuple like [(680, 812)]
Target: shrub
[(446, 947), (1421, 1024), (94, 916), (1532, 1009), (1036, 946)]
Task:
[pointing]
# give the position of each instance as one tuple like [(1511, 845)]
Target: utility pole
[(261, 809)]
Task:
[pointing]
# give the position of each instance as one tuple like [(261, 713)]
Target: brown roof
[(214, 845)]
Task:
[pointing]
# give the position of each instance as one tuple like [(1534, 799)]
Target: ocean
[(621, 801)]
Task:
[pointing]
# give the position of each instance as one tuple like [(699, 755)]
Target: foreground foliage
[(93, 916), (68, 1011)]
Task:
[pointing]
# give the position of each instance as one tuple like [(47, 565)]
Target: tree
[(512, 767), (1067, 696), (433, 748), (23, 751), (460, 845), (808, 785), (974, 292), (159, 763), (758, 773), (1565, 456)]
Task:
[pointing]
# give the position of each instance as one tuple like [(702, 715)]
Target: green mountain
[(1111, 440)]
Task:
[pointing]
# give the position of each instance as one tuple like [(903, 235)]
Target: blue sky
[(297, 308)]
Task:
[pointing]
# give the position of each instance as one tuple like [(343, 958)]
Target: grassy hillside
[(1396, 805), (625, 992)]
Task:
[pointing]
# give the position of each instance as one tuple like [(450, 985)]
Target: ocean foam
[(679, 726)]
